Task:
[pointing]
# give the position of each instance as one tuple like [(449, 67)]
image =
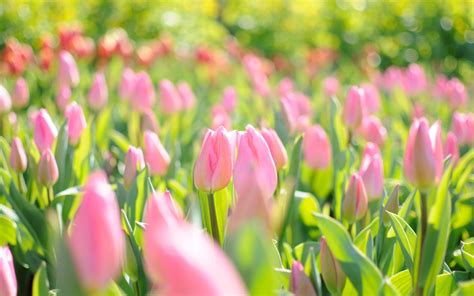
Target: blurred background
[(381, 33)]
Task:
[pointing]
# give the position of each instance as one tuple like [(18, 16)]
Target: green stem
[(50, 193), (423, 222), (213, 215)]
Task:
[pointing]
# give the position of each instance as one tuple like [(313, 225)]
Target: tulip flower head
[(423, 161), (5, 100), (8, 284), (372, 130), (331, 271), (354, 108), (68, 72), (451, 147), (18, 158), (133, 161), (371, 171), (170, 101), (188, 100), (76, 122), (213, 168), (96, 239), (98, 94), (156, 156), (278, 151), (21, 94), (127, 84), (142, 96), (371, 98), (47, 169), (316, 148), (229, 99), (45, 131), (300, 284), (331, 86), (354, 206), (64, 94)]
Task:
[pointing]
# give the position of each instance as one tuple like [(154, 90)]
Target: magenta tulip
[(98, 94), (76, 122), (47, 169), (68, 73), (96, 238), (316, 148), (354, 206), (142, 97), (354, 109), (278, 151), (188, 100), (45, 131), (18, 158), (423, 161), (21, 94), (371, 171), (133, 161), (5, 100), (170, 101), (8, 285), (156, 156)]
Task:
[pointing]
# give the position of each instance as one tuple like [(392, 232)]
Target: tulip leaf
[(467, 254), (220, 204), (8, 231), (40, 282), (406, 238), (60, 154), (402, 282), (360, 270)]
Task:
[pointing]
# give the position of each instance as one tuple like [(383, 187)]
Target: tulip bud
[(371, 171), (5, 100), (220, 117), (423, 161), (456, 92), (18, 159), (149, 122), (45, 131), (186, 94), (213, 168), (371, 98), (170, 101), (276, 147), (331, 86), (391, 205), (300, 285), (254, 171), (68, 73), (316, 148), (156, 156), (285, 86), (354, 109), (333, 276), (127, 84), (8, 284), (133, 161), (229, 99), (21, 95), (355, 201), (47, 169), (64, 94), (451, 147), (98, 94), (142, 97), (373, 131), (463, 127), (96, 239), (414, 79), (76, 122)]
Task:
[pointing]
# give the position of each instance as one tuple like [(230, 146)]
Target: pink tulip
[(331, 86), (133, 161), (149, 121), (371, 98), (68, 73), (451, 147), (300, 284), (285, 86), (64, 94), (220, 117), (127, 84), (459, 127), (423, 162), (96, 238), (331, 270), (98, 94), (296, 110), (354, 109), (170, 102), (255, 173), (5, 100), (142, 96), (18, 158), (371, 171), (316, 148), (392, 78), (276, 147), (8, 284), (45, 131), (354, 205), (456, 93), (373, 131), (21, 94), (76, 122), (260, 84), (188, 100), (414, 79), (213, 168), (197, 267), (156, 156), (47, 169), (229, 99), (439, 90)]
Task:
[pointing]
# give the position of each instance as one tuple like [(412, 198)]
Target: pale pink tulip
[(8, 284), (188, 100), (354, 109), (63, 97), (98, 94), (133, 161), (127, 84), (451, 147), (229, 98), (170, 102), (316, 148), (76, 122), (5, 100), (285, 86), (371, 171), (371, 98), (45, 131), (156, 157), (355, 203), (373, 131), (331, 86), (392, 78), (18, 158), (280, 157), (68, 73), (21, 94), (220, 117), (414, 79), (47, 169), (456, 93), (142, 96)]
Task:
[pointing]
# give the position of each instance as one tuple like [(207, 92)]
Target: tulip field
[(234, 167)]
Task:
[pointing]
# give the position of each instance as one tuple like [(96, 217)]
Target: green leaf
[(467, 253), (445, 284), (40, 282), (360, 270), (307, 206), (61, 158), (220, 203), (8, 231), (402, 282), (406, 238)]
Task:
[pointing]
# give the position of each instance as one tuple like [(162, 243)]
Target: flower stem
[(419, 289), (213, 215)]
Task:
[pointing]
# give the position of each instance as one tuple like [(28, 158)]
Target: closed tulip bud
[(331, 86), (68, 73), (300, 285), (170, 101), (64, 95), (5, 100), (213, 168), (149, 122), (456, 92), (391, 205), (76, 122), (8, 284), (18, 159), (285, 86), (371, 171), (229, 99), (414, 79), (463, 127), (371, 98), (276, 147), (127, 84), (156, 156), (178, 268), (21, 94), (451, 147), (423, 161), (373, 131), (355, 201), (469, 128), (331, 271), (354, 110), (142, 97), (98, 94), (133, 161), (186, 94), (316, 148), (220, 117), (45, 131), (47, 169), (96, 239), (255, 173)]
